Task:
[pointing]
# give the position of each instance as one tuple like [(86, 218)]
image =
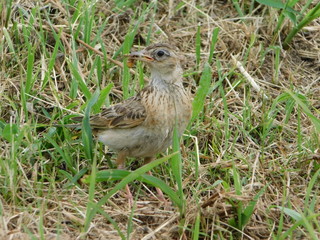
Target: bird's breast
[(168, 107)]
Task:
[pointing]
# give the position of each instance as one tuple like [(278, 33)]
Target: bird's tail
[(67, 125), (72, 125)]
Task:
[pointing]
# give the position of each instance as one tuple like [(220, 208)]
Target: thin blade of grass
[(198, 45), (9, 41), (238, 188), (141, 75), (196, 228), (248, 211), (310, 16), (52, 60), (102, 98), (236, 179), (117, 174), (82, 85), (126, 73), (88, 23), (309, 189), (95, 70), (306, 110), (73, 179), (8, 9), (77, 12), (296, 225), (308, 224), (86, 129), (214, 40), (92, 185), (204, 85), (305, 7), (131, 177), (237, 7), (292, 213), (63, 153), (176, 166), (30, 63), (277, 4)]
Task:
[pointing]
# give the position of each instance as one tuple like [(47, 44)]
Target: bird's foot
[(129, 196)]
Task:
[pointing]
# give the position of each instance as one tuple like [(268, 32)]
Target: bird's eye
[(160, 53)]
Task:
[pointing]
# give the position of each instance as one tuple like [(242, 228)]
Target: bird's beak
[(141, 55)]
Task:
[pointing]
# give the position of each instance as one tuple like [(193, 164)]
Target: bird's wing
[(128, 114)]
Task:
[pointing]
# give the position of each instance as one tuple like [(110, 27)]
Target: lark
[(143, 126)]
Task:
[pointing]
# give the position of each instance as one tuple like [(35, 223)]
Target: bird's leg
[(121, 159), (159, 192), (120, 165), (148, 160)]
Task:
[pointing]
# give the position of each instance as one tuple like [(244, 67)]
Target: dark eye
[(160, 53)]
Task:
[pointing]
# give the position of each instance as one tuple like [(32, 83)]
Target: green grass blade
[(99, 70), (92, 184), (236, 179), (52, 60), (310, 16), (305, 7), (131, 177), (277, 4), (198, 45), (126, 73), (117, 174), (151, 26), (277, 50), (312, 183), (141, 75), (82, 85), (30, 63), (74, 179), (86, 129), (297, 224), (88, 23), (204, 85), (176, 166), (238, 222), (214, 40), (99, 32), (9, 132), (196, 229), (292, 213), (63, 153), (248, 211), (9, 41), (306, 110), (95, 70), (41, 222), (299, 132), (237, 7), (309, 225), (77, 12), (102, 98), (8, 9)]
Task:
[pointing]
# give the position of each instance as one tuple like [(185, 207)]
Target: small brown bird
[(143, 125)]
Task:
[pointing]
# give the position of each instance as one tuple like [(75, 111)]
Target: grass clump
[(248, 164)]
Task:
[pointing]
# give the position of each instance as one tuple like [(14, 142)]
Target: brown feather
[(128, 114)]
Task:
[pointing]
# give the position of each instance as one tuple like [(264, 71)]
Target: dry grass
[(239, 131)]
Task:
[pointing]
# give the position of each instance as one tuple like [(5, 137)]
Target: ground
[(249, 159)]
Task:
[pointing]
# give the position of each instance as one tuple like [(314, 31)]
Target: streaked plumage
[(143, 125)]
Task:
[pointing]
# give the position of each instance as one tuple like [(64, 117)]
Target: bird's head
[(160, 57)]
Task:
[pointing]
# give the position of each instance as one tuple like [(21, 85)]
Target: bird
[(143, 126)]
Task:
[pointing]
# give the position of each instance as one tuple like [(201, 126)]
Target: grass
[(248, 164)]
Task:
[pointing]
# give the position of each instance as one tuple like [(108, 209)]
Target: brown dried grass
[(281, 165)]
